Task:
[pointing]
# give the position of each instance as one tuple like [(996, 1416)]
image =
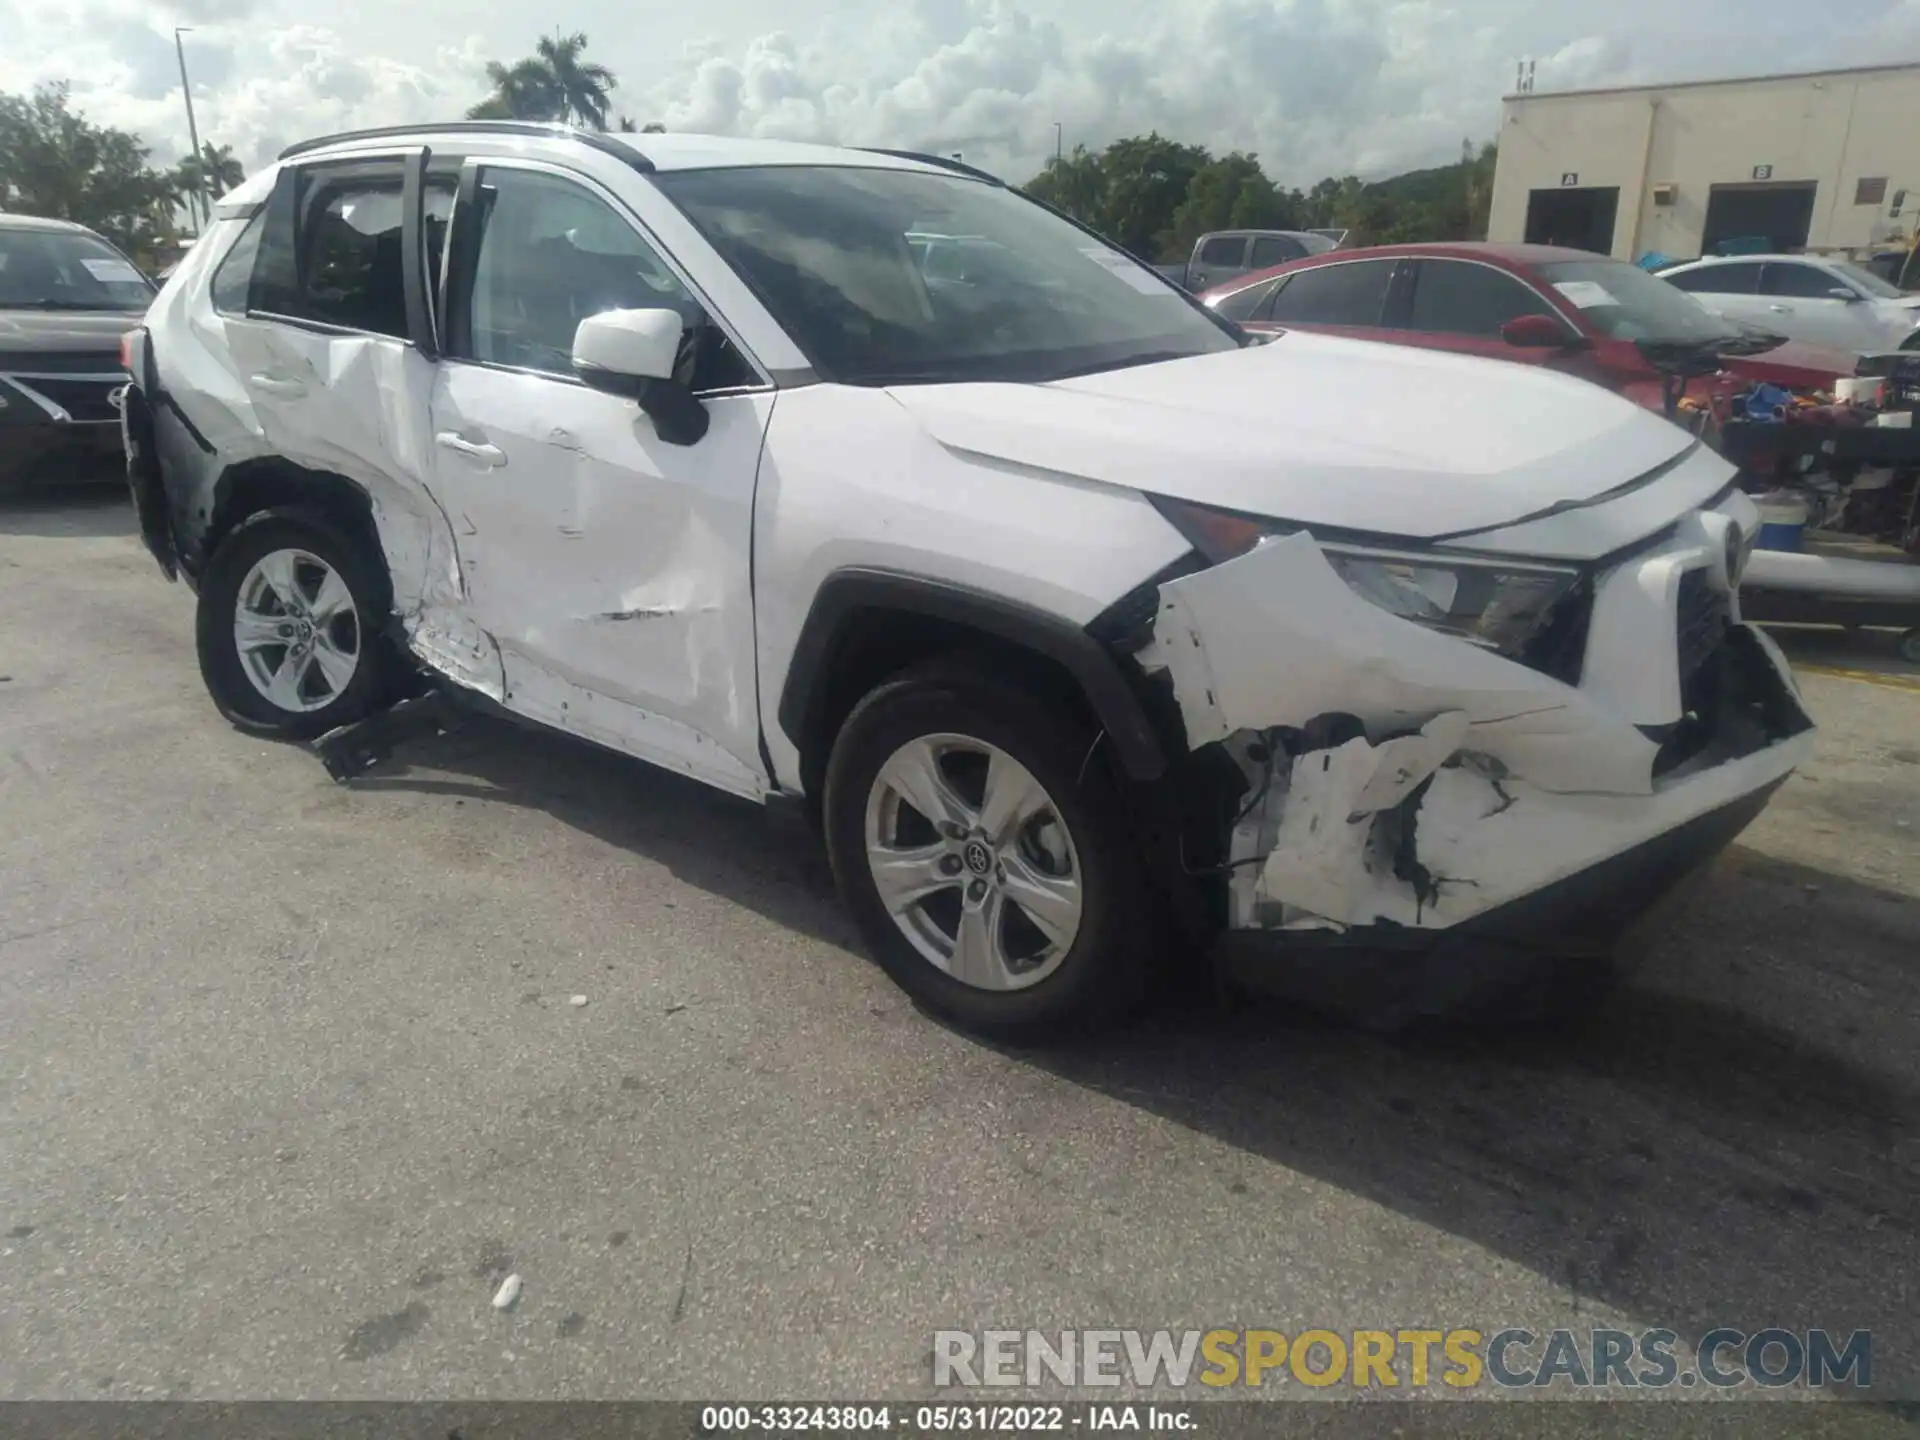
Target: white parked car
[(1094, 630), (1805, 297)]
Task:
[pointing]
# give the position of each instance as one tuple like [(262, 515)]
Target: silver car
[(1805, 297)]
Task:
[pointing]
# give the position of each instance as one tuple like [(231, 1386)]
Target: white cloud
[(1312, 86)]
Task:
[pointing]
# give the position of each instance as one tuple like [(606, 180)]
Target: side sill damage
[(1397, 777)]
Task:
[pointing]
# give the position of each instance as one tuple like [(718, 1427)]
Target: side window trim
[(462, 254)]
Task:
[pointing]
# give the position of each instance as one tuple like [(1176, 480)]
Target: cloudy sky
[(1312, 86)]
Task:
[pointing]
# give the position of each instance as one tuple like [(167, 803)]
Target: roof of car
[(11, 221), (1775, 256), (651, 151), (1519, 257)]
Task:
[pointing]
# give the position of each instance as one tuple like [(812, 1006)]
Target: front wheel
[(289, 626), (985, 856)]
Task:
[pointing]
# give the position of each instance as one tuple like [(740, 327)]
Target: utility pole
[(1059, 142), (193, 135)]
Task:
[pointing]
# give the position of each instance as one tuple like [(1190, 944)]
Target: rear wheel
[(987, 862), (289, 626)]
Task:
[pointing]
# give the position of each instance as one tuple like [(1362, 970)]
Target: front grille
[(62, 362), (84, 399), (1702, 618)]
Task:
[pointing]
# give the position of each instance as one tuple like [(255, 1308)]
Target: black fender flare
[(847, 593)]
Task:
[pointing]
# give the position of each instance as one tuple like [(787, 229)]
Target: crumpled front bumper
[(1411, 794)]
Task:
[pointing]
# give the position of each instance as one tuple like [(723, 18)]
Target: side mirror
[(633, 353), (1540, 332), (1841, 292)]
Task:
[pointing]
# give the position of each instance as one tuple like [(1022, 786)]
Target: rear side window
[(1223, 250), (1350, 294), (1453, 297), (1803, 282), (1718, 280), (235, 274), (331, 250), (1275, 250), (1246, 304)]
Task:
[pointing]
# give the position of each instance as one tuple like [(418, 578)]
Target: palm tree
[(551, 84), (206, 177), (580, 89)]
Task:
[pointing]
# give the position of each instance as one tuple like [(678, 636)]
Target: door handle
[(268, 385), (491, 456), (1781, 309)]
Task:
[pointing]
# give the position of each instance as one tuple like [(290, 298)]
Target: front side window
[(67, 270), (1269, 250), (1352, 293), (830, 251), (1865, 281), (1246, 303), (1800, 282), (1223, 250), (549, 254), (1454, 297)]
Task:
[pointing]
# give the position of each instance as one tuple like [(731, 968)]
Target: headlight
[(1496, 604)]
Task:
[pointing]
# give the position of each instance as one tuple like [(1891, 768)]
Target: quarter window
[(235, 274), (1247, 303)]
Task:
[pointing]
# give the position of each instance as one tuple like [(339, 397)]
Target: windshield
[(1626, 303), (1866, 281), (65, 270), (886, 277)]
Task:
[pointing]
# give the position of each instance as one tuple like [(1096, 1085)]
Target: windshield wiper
[(1152, 357)]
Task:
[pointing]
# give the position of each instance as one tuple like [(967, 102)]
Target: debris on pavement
[(508, 1292), (577, 1001)]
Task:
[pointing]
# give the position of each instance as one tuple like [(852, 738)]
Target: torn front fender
[(1398, 777)]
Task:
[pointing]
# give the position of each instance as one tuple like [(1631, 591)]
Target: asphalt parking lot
[(290, 1077)]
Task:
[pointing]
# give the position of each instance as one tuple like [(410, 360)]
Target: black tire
[(234, 694), (1104, 970)]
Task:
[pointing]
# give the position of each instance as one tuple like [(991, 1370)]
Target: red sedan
[(1586, 314)]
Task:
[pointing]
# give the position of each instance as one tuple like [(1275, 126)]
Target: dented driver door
[(610, 567)]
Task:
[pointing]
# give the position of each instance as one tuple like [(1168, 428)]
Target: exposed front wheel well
[(873, 644)]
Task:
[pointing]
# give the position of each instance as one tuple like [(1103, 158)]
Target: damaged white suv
[(1090, 628)]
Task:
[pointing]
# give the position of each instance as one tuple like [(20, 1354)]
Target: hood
[(46, 332), (1341, 434)]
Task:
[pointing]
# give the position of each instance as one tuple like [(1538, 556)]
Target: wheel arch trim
[(847, 593)]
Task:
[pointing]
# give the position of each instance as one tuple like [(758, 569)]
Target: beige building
[(1827, 161)]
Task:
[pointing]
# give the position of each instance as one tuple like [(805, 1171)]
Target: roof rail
[(958, 166), (549, 130)]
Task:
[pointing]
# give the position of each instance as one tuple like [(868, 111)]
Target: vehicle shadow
[(1731, 1138), (68, 512)]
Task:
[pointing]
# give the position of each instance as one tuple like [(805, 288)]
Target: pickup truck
[(1220, 255)]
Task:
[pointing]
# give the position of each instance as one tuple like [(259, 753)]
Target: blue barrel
[(1783, 522)]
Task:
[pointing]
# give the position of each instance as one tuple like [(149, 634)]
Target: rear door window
[(1353, 293)]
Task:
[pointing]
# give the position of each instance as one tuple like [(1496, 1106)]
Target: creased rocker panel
[(1577, 766)]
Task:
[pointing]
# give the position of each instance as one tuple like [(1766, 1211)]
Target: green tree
[(53, 162), (219, 167), (554, 83), (1073, 183), (1145, 180), (1231, 193)]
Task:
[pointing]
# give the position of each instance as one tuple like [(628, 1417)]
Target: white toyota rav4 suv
[(1090, 628)]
